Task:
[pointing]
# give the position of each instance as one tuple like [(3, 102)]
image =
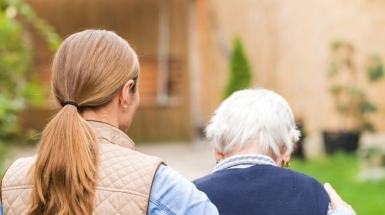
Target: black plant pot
[(299, 151), (346, 141)]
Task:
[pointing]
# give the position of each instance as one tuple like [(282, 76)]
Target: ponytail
[(65, 173), (89, 68)]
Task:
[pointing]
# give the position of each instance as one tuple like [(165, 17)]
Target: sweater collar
[(111, 134), (244, 161)]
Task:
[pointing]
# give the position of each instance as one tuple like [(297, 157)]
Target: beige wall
[(287, 43)]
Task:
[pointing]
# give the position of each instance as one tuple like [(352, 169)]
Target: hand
[(335, 199)]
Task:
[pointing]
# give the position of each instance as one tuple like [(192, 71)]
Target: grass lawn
[(367, 198)]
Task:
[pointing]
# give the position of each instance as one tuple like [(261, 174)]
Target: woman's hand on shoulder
[(336, 200)]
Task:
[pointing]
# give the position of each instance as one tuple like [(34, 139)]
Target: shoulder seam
[(162, 206)]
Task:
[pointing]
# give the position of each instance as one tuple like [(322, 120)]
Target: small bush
[(18, 86), (240, 74)]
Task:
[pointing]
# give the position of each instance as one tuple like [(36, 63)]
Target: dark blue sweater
[(265, 190)]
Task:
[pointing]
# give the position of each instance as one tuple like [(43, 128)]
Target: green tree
[(240, 74), (18, 86)]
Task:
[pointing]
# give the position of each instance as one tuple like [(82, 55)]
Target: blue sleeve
[(1, 209), (172, 194)]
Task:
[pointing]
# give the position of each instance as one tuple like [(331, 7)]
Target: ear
[(218, 156), (283, 149), (283, 157), (125, 96)]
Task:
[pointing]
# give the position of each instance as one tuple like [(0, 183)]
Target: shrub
[(18, 86), (240, 74)]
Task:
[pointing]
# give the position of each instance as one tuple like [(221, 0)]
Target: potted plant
[(372, 162), (350, 101), (299, 148)]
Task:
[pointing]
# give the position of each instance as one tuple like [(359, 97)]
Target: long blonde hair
[(89, 69)]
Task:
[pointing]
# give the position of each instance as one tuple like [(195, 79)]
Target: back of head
[(91, 66), (253, 116), (89, 69)]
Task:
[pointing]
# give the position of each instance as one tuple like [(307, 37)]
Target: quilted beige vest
[(125, 177)]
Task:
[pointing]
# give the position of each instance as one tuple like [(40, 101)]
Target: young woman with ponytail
[(86, 164)]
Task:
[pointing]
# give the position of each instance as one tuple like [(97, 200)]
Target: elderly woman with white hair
[(253, 133)]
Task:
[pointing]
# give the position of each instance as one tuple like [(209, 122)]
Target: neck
[(104, 114), (250, 149), (247, 149)]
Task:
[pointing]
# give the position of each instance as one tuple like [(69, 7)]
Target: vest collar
[(111, 134)]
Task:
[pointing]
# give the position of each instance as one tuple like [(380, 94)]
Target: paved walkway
[(191, 160), (194, 160)]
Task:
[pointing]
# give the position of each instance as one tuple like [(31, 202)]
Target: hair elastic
[(70, 103)]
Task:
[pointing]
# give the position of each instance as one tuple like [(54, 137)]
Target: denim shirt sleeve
[(172, 194)]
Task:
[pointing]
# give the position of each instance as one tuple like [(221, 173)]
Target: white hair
[(253, 116)]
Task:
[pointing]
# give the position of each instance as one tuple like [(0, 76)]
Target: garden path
[(193, 160), (190, 160)]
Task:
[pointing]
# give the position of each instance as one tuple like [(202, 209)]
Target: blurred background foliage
[(349, 96), (18, 85), (239, 73)]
